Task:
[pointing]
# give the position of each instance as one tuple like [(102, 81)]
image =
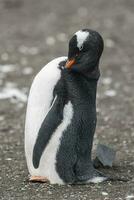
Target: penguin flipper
[(48, 126)]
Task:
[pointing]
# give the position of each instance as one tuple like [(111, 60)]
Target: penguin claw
[(38, 179)]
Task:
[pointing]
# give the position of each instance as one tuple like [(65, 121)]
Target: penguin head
[(85, 49)]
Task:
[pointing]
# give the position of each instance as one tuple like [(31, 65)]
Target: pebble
[(104, 193), (109, 43), (27, 71), (7, 68), (107, 81), (2, 118), (50, 41), (110, 93), (8, 159), (49, 192), (129, 197)]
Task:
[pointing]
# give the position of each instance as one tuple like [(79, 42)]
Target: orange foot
[(38, 179)]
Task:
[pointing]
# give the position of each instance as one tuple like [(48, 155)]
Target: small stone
[(2, 118), (109, 43), (50, 41), (107, 81), (110, 93), (27, 71), (104, 193), (7, 68), (8, 159), (129, 197), (49, 192)]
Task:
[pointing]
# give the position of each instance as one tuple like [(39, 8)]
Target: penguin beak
[(69, 63)]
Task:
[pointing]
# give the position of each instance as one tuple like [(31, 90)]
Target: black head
[(85, 49)]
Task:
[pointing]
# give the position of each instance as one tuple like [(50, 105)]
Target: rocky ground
[(31, 34)]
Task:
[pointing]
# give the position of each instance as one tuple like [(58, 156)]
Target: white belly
[(39, 101)]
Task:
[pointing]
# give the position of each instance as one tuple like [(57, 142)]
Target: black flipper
[(49, 125)]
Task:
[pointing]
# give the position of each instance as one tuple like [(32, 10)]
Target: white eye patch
[(81, 38)]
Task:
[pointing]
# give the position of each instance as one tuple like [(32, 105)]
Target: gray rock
[(105, 156)]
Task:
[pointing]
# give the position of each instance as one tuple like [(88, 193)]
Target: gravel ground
[(31, 34)]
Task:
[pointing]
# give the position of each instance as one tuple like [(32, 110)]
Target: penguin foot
[(94, 177), (38, 179), (92, 180), (97, 179)]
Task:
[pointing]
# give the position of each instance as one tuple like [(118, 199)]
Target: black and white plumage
[(61, 114)]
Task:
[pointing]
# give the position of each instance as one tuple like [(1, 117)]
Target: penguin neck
[(81, 88)]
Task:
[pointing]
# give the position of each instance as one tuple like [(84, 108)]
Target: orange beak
[(69, 63)]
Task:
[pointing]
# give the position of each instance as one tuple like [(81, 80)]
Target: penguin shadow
[(115, 173)]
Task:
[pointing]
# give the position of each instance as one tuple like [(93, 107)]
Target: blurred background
[(33, 32)]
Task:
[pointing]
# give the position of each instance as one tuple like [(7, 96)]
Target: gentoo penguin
[(61, 114)]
